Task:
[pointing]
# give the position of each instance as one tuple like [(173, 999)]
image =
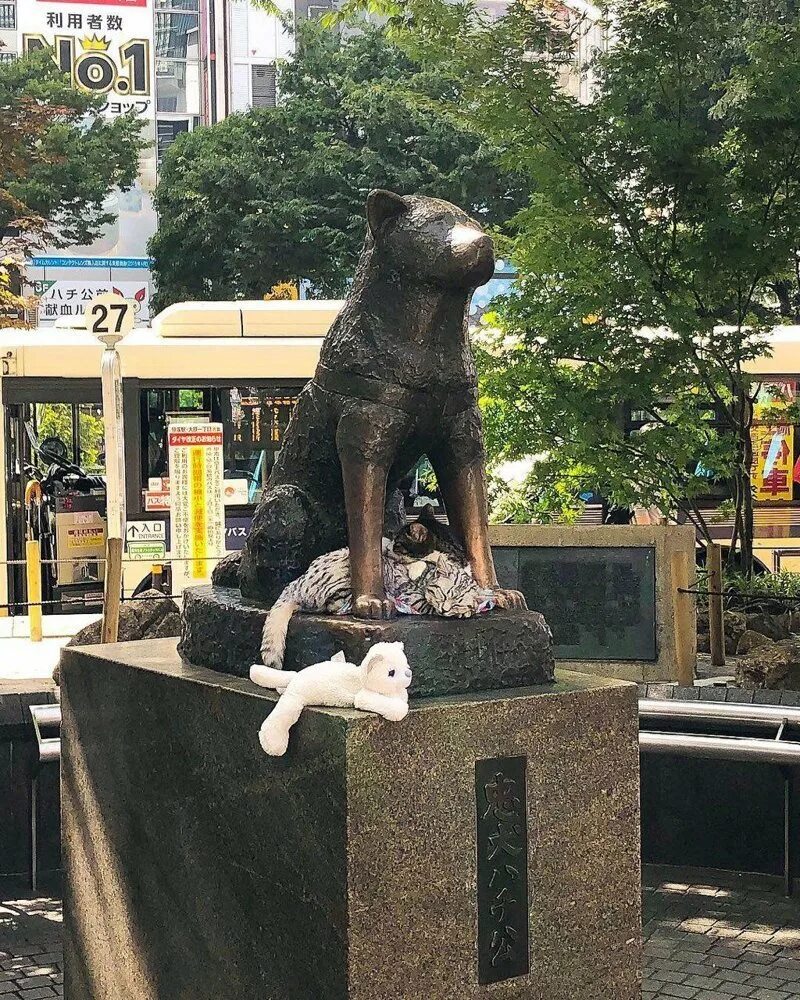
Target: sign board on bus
[(197, 513)]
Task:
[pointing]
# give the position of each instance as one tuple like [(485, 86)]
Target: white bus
[(240, 363)]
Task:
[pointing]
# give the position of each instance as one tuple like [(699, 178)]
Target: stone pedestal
[(499, 649), (368, 863)]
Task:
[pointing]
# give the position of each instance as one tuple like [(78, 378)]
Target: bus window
[(91, 438), (157, 408), (254, 420), (54, 420)]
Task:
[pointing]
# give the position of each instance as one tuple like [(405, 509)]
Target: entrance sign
[(145, 531), (197, 512)]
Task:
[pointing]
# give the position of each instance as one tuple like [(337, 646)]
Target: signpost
[(110, 317), (197, 513)]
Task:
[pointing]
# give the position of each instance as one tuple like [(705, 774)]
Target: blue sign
[(105, 262)]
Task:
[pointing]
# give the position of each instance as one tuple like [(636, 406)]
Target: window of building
[(177, 35), (8, 17), (178, 86), (263, 82), (6, 57)]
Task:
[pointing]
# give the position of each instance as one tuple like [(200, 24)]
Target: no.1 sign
[(197, 512)]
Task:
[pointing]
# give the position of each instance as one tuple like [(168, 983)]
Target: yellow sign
[(86, 538), (773, 462), (197, 515)]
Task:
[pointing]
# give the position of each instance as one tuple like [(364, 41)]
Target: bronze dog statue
[(396, 380)]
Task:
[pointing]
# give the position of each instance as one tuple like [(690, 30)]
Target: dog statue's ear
[(382, 207)]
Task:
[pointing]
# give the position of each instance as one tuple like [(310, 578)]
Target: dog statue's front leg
[(365, 497), (465, 499)]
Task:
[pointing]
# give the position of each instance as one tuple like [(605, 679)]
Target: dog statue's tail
[(273, 638)]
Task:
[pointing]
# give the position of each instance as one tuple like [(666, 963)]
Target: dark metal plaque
[(502, 823), (600, 603)]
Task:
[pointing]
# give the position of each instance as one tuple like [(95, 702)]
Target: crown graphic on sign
[(95, 44)]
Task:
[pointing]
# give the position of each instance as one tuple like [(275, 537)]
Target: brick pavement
[(31, 958), (720, 939)]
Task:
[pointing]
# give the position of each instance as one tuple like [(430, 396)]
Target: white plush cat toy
[(379, 684)]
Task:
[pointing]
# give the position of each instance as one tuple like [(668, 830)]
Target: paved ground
[(716, 940), (28, 666), (720, 939), (31, 960)]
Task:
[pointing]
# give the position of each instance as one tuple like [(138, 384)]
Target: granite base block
[(496, 650), (200, 869)]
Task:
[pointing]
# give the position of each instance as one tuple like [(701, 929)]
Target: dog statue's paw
[(369, 606), (511, 600), (273, 741)]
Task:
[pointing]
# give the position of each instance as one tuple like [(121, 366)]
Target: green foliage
[(763, 586), (659, 246), (278, 194)]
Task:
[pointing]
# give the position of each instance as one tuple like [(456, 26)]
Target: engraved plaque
[(502, 828), (600, 603)]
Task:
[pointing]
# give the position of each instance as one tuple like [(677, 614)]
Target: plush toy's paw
[(368, 606), (510, 599), (273, 741), (395, 712)]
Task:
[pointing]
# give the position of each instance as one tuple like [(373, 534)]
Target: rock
[(703, 642), (226, 572), (770, 625), (702, 616), (775, 665), (500, 649), (735, 627), (751, 640), (150, 616)]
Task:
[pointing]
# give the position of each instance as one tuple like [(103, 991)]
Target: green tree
[(659, 246), (277, 194), (59, 159)]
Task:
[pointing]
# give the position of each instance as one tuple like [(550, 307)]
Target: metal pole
[(111, 374), (34, 831), (33, 559), (115, 484), (788, 885), (716, 621)]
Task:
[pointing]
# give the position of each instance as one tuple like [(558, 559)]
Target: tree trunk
[(743, 487)]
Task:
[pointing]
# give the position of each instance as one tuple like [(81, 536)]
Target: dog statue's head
[(431, 239), (386, 669)]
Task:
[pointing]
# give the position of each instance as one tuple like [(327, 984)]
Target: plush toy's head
[(386, 668)]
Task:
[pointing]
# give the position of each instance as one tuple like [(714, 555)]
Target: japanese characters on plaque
[(197, 513), (502, 841), (106, 46)]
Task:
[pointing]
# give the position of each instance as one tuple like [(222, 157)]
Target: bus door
[(47, 421)]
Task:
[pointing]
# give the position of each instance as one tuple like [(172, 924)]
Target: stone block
[(198, 868), (500, 649)]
